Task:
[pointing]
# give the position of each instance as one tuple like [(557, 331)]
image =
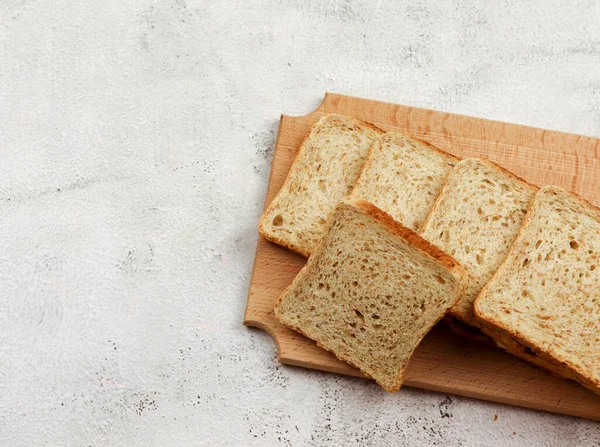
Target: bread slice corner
[(371, 291)]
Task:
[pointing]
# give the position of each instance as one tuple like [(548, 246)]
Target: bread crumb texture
[(476, 219), (325, 170), (546, 295), (403, 176)]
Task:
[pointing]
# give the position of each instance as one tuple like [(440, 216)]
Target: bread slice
[(475, 219), (546, 295), (371, 291), (403, 176), (325, 170)]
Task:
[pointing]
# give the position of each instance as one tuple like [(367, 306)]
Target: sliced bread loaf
[(545, 297), (475, 219), (403, 177), (371, 291), (325, 170)]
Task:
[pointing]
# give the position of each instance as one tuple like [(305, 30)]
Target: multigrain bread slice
[(403, 176), (546, 295), (475, 219), (324, 171), (371, 291)]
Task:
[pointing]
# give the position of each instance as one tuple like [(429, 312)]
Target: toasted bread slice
[(475, 219), (324, 171), (403, 176), (546, 295), (371, 291)]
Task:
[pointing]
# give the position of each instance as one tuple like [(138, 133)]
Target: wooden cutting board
[(443, 361)]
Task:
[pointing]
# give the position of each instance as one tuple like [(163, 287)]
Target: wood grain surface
[(443, 361)]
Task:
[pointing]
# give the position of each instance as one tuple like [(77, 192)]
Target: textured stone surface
[(136, 139)]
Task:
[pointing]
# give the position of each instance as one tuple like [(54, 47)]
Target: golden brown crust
[(366, 124), (491, 326), (460, 316), (409, 236)]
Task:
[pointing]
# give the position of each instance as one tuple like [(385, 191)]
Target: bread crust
[(262, 228), (496, 328), (362, 123), (409, 236)]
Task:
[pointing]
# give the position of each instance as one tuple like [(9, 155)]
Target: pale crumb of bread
[(546, 297), (324, 171), (475, 219), (403, 176), (371, 291)]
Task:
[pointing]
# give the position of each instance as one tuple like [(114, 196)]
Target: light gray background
[(136, 139)]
